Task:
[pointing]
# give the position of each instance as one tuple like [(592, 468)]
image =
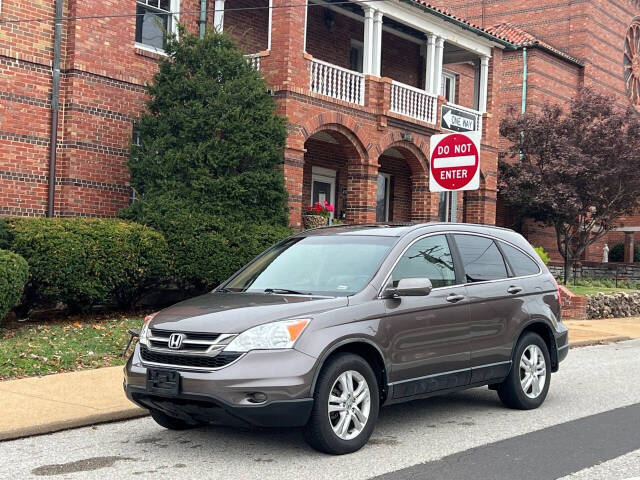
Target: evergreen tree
[(210, 139)]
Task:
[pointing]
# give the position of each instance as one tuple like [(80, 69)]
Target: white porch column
[(271, 23), (377, 42), (218, 15), (430, 63), (367, 54), (437, 71), (484, 82)]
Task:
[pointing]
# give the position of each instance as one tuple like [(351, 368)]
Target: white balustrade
[(337, 82), (413, 102), (253, 60)]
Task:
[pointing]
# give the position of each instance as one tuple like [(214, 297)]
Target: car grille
[(200, 361), (194, 342)]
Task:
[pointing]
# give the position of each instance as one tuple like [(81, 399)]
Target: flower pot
[(314, 221)]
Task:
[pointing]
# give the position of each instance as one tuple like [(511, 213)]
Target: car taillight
[(557, 290)]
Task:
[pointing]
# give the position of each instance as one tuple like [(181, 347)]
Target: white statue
[(605, 253)]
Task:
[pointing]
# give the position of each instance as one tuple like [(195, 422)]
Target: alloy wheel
[(533, 371), (349, 405)]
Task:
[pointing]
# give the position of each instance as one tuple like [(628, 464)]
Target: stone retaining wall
[(625, 271), (614, 305)]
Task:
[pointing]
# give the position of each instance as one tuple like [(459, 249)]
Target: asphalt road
[(589, 428)]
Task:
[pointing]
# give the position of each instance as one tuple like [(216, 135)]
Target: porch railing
[(253, 60), (475, 113), (337, 82), (413, 102)]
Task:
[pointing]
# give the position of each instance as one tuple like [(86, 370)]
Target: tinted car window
[(481, 258), (521, 264), (429, 258)]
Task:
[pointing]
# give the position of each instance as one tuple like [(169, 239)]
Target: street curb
[(45, 428), (598, 341)]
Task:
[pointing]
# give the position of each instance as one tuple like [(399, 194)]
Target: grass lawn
[(591, 290), (30, 348)]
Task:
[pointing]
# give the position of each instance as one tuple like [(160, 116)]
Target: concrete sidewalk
[(38, 405)]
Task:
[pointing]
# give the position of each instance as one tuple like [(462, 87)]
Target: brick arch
[(419, 152), (416, 159), (340, 123)]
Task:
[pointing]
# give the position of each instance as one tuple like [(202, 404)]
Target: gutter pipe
[(55, 107), (524, 80), (203, 17)]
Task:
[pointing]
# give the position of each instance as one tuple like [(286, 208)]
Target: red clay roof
[(522, 38), (447, 13)]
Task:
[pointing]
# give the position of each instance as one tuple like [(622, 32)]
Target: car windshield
[(316, 265)]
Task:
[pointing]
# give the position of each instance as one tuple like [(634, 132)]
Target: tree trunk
[(567, 262)]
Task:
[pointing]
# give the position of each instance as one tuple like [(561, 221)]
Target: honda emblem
[(175, 341)]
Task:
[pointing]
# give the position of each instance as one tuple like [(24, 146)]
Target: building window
[(154, 21), (448, 89), (355, 56), (382, 204)]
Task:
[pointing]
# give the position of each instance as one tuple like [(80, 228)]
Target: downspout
[(55, 106), (203, 17), (524, 80), (524, 89)]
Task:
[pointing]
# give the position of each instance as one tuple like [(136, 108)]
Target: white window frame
[(175, 19), (324, 175), (360, 46), (448, 74)]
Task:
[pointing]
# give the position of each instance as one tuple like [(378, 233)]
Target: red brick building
[(362, 85)]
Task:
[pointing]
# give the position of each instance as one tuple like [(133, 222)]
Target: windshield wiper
[(284, 291)]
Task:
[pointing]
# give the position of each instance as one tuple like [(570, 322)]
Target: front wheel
[(527, 384), (345, 408)]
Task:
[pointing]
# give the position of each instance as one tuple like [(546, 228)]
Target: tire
[(172, 423), (319, 431), (512, 390)]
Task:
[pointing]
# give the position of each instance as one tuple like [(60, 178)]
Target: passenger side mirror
[(409, 287)]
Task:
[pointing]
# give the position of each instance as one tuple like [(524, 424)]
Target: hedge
[(617, 253), (14, 273), (84, 262), (205, 249)]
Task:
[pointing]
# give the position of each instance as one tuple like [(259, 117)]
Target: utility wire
[(181, 12)]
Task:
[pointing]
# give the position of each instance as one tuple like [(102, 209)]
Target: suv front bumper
[(226, 395)]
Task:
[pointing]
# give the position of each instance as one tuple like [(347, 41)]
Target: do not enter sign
[(455, 162)]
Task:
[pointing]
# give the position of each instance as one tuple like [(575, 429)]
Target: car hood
[(236, 312)]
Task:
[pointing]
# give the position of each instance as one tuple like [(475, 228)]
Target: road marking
[(545, 454)]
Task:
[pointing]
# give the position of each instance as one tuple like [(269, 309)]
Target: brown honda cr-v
[(327, 326)]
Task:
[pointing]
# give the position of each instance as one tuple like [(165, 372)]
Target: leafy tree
[(576, 171), (210, 135)]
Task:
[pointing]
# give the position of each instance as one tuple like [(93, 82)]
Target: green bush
[(616, 254), (543, 254), (5, 235), (83, 262), (205, 248), (14, 273)]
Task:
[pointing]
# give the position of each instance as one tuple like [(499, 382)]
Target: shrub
[(205, 248), (616, 254), (544, 256), (14, 273), (83, 262), (5, 235)]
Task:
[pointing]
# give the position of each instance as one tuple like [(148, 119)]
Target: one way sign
[(458, 120)]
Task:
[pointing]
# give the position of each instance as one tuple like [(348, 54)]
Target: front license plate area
[(163, 382)]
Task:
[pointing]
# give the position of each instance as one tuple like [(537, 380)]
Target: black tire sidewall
[(513, 385), (320, 429)]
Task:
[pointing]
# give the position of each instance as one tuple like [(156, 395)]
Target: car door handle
[(454, 298), (513, 289)]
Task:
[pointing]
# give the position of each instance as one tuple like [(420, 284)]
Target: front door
[(429, 335), (323, 186)]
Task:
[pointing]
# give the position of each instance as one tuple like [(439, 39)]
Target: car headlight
[(144, 331), (269, 336)]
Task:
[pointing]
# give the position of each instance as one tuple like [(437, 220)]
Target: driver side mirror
[(409, 287)]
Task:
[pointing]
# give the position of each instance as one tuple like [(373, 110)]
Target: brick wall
[(248, 28), (574, 307)]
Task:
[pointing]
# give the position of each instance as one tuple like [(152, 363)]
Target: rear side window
[(521, 264), (481, 258)]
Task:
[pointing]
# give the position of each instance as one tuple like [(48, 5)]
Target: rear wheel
[(345, 408), (527, 384), (172, 423)]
